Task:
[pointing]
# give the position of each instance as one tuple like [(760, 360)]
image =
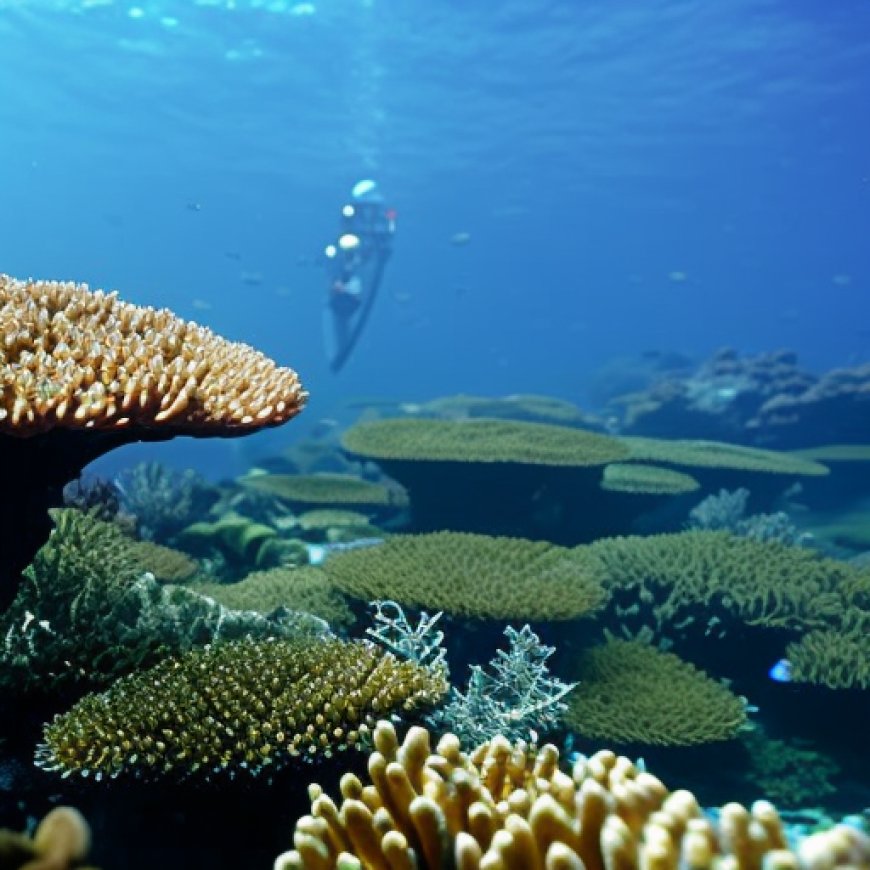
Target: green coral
[(86, 613), (306, 589), (473, 575), (646, 479), (481, 440), (326, 489), (237, 708), (836, 658), (758, 582), (717, 454), (630, 692)]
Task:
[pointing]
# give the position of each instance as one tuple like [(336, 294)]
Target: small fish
[(252, 279), (232, 255), (781, 671), (677, 276), (459, 240), (193, 206)]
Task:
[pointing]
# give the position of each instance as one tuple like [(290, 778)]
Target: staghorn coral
[(503, 806), (86, 613), (757, 582), (326, 489), (61, 841), (305, 589), (237, 708), (646, 479), (82, 372), (630, 692), (473, 575), (515, 697), (481, 440)]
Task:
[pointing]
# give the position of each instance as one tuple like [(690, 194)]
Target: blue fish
[(781, 671)]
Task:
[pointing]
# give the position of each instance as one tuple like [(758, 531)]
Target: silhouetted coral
[(162, 500)]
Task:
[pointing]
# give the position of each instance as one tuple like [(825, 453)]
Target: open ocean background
[(633, 174)]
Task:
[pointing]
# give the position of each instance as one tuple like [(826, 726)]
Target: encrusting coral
[(503, 806), (237, 708), (61, 841), (473, 575), (630, 692), (82, 372)]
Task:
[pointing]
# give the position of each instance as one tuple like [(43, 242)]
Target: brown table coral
[(82, 372)]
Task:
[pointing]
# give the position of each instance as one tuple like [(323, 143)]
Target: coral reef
[(162, 500), (420, 643), (167, 564), (326, 489), (304, 589), (836, 658), (473, 575), (726, 511), (480, 440), (757, 582), (61, 841), (646, 479), (504, 806), (99, 497), (516, 696), (86, 613), (765, 399), (522, 406), (710, 455), (630, 692), (233, 545), (241, 708), (83, 372)]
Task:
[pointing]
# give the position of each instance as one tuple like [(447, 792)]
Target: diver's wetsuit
[(355, 272)]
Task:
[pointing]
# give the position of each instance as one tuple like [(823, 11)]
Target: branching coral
[(515, 697), (237, 708), (504, 806)]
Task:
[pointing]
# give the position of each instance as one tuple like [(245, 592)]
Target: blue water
[(634, 174)]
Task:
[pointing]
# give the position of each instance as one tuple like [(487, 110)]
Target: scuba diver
[(355, 266)]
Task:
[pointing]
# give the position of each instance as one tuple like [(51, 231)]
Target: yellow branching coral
[(630, 692), (504, 806), (474, 575), (75, 358), (237, 707)]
